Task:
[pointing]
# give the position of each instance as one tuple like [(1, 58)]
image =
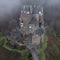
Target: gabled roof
[(33, 21), (39, 31), (15, 31), (35, 11)]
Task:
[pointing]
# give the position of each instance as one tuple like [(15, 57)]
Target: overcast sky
[(6, 6), (52, 2)]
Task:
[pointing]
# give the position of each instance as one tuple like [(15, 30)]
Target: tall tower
[(32, 8)]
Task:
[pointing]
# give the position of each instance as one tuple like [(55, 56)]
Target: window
[(30, 26)]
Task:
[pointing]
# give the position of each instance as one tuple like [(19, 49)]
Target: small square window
[(30, 27)]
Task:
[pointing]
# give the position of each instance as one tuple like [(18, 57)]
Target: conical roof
[(33, 21), (39, 31)]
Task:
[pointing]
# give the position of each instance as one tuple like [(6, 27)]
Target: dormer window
[(21, 24), (40, 13), (30, 27), (27, 12)]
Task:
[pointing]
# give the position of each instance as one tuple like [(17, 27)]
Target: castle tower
[(32, 8)]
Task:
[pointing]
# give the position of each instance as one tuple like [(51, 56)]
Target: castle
[(31, 25), (31, 22)]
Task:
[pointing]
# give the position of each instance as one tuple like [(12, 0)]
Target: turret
[(21, 22)]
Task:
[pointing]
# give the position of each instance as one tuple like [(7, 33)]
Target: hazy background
[(7, 7), (10, 10)]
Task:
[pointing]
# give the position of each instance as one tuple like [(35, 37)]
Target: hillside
[(53, 47)]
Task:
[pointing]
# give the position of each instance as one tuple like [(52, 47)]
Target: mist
[(8, 6), (52, 2)]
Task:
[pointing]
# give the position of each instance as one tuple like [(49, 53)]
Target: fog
[(52, 2), (8, 6)]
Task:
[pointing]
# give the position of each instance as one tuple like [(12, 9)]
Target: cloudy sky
[(6, 6)]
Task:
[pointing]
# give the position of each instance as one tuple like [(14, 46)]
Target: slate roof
[(39, 31), (16, 36), (35, 11), (15, 31), (26, 8), (33, 21)]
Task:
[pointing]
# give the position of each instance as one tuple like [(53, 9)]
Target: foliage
[(42, 49)]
